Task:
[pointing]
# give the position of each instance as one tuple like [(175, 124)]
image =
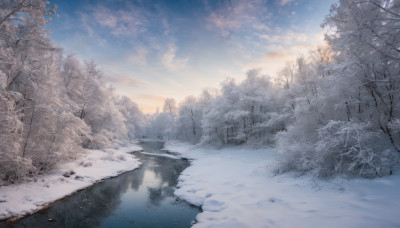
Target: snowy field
[(236, 188), (25, 198)]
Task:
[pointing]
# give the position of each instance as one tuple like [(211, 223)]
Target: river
[(140, 198)]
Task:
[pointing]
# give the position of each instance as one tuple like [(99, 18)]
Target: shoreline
[(20, 200), (47, 205), (236, 187)]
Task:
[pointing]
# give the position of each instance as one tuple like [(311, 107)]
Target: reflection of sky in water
[(155, 195), (152, 178), (143, 198)]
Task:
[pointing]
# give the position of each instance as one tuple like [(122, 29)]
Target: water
[(140, 198)]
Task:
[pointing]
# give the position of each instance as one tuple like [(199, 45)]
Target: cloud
[(171, 61), (127, 81), (274, 56), (122, 22), (105, 17), (138, 56), (94, 36), (288, 37), (236, 15), (282, 47), (284, 2)]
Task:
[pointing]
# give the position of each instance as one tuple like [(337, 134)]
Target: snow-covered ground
[(20, 199), (161, 155), (237, 188)]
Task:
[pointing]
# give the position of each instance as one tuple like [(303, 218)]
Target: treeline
[(51, 106), (336, 111)]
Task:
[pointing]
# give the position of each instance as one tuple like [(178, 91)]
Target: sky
[(150, 50)]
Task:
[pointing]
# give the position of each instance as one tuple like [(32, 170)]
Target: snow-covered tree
[(366, 36), (51, 106), (188, 122), (344, 97), (170, 106), (162, 125), (243, 113), (134, 119)]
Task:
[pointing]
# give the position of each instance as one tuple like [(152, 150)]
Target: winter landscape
[(225, 113)]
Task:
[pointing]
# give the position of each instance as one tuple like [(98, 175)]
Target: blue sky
[(151, 50)]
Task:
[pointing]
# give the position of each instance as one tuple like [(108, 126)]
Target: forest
[(333, 111)]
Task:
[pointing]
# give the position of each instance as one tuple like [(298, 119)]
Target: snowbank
[(236, 188), (161, 155), (25, 198)]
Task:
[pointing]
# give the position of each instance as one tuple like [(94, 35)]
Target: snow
[(236, 188), (18, 200), (161, 155)]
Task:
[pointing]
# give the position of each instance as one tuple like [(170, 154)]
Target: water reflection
[(142, 198)]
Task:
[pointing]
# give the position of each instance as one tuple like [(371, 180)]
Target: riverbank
[(236, 188), (18, 200)]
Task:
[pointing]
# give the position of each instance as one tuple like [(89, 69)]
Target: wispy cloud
[(138, 56), (91, 32), (284, 2), (274, 56), (121, 22), (171, 61), (282, 47), (236, 15), (151, 37), (286, 37), (127, 81)]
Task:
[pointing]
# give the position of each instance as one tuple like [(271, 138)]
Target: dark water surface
[(140, 198)]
